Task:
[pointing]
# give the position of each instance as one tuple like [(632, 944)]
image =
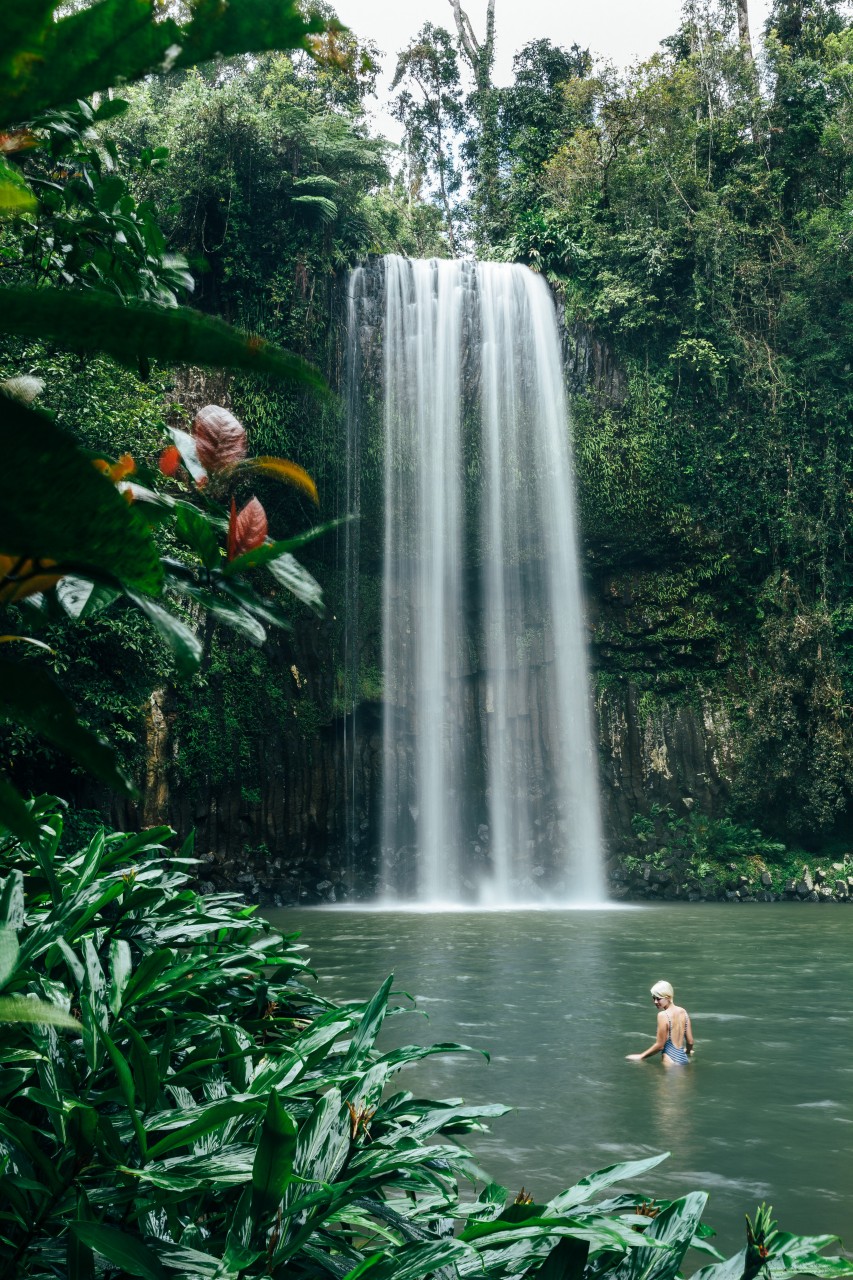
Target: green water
[(765, 1112)]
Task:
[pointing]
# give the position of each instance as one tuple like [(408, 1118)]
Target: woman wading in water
[(675, 1035)]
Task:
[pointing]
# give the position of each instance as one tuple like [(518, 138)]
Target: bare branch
[(466, 33)]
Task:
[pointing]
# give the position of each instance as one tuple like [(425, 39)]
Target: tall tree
[(483, 144), (429, 106)]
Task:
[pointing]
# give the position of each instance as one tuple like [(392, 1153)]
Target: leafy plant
[(67, 533), (176, 1100)]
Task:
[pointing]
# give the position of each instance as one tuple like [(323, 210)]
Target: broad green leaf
[(324, 1142), (118, 41), (80, 1259), (230, 613), (126, 1251), (121, 967), (186, 446), (272, 550), (92, 860), (230, 1167), (365, 1034), (584, 1190), (12, 900), (273, 1165), (136, 330), (674, 1227), (128, 1091), (96, 985), (146, 1074), (56, 506), (193, 528), (413, 1261), (27, 1009), (14, 814), (72, 960), (290, 574), (73, 594), (9, 950), (185, 645), (15, 195), (209, 1119)]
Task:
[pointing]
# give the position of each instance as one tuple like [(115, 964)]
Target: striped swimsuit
[(676, 1055)]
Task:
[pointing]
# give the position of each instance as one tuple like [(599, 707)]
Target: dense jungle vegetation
[(692, 214), (174, 1099)]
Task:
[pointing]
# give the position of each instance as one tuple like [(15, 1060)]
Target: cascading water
[(489, 785)]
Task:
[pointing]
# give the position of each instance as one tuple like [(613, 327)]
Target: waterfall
[(489, 788)]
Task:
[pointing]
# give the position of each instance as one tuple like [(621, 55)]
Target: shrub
[(174, 1100)]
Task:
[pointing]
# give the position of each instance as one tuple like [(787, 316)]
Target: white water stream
[(490, 792)]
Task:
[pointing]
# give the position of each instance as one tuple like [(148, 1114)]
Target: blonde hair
[(663, 989)]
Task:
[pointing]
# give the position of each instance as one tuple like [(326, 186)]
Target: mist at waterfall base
[(489, 787)]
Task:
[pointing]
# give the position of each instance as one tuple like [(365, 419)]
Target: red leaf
[(247, 529), (220, 439), (170, 460)]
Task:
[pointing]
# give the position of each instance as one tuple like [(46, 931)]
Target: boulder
[(804, 888), (790, 886), (807, 880), (841, 889), (825, 893), (819, 875), (766, 879)]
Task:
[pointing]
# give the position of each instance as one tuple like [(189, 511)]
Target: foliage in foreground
[(175, 1100), (97, 279)]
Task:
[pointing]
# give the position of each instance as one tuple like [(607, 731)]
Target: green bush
[(174, 1100)]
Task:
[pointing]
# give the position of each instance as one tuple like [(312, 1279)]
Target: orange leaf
[(115, 470), (247, 529), (220, 438), (290, 472), (170, 460), (22, 578)]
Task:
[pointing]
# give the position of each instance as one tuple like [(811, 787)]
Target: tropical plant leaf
[(9, 951), (15, 196), (289, 573), (118, 41), (29, 697), (230, 613), (193, 528), (272, 550), (185, 645), (272, 1170), (92, 321), (325, 209), (40, 1012), (14, 814), (366, 1032), (126, 1251), (281, 469), (584, 1190), (54, 505)]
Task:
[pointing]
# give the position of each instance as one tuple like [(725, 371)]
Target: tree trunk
[(743, 27), (155, 801)]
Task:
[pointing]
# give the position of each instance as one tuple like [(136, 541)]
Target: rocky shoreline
[(315, 882), (675, 880)]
